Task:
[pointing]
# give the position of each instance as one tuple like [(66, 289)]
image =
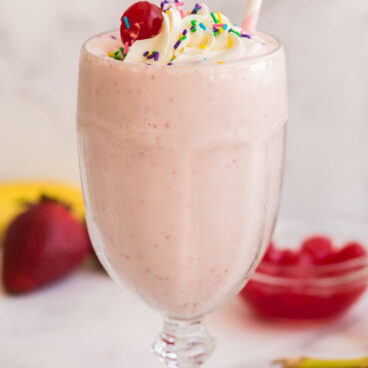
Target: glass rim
[(232, 64)]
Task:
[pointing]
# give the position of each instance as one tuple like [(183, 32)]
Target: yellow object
[(316, 363), (13, 195), (219, 17)]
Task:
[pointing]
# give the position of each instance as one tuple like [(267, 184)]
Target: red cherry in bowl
[(273, 255), (348, 252), (141, 21), (316, 249), (314, 282)]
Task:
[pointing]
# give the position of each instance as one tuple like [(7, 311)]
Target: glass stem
[(184, 344)]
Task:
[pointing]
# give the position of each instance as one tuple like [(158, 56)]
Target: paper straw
[(251, 15)]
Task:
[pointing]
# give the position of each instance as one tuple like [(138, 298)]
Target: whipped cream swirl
[(193, 38)]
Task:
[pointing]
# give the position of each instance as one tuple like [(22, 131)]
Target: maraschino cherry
[(304, 284), (141, 21)]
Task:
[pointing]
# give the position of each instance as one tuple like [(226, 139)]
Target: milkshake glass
[(181, 168)]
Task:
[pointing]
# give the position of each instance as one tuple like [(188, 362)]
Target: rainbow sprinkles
[(215, 23)]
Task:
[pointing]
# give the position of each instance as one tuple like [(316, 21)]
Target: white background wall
[(327, 50)]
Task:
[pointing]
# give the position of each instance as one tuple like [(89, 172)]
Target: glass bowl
[(310, 292)]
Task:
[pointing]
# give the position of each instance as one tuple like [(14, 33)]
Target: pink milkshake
[(181, 142), (182, 169)]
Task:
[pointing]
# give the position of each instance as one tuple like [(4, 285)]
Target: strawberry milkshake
[(181, 156), (181, 125)]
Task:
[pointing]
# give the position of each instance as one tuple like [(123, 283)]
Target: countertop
[(88, 321)]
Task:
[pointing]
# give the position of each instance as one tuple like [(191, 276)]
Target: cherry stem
[(318, 363)]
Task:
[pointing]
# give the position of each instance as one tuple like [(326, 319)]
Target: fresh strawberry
[(41, 245)]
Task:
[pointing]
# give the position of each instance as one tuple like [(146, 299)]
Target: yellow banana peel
[(13, 195)]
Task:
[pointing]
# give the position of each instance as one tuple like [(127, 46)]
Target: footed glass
[(181, 169)]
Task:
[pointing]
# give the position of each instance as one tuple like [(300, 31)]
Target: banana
[(13, 195), (316, 363)]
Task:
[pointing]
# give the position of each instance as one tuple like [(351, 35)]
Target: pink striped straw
[(251, 15), (126, 47)]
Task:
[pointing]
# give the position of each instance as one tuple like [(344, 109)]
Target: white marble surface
[(326, 43), (88, 321)]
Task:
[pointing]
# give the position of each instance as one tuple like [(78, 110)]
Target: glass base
[(184, 344)]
